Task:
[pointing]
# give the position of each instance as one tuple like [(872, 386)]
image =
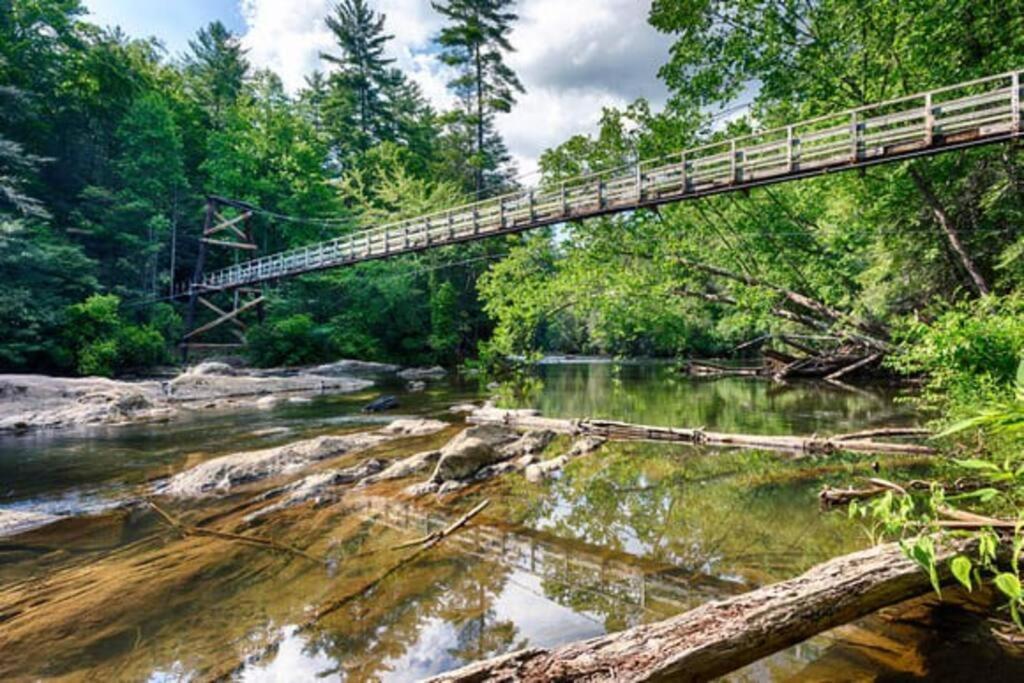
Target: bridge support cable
[(978, 112)]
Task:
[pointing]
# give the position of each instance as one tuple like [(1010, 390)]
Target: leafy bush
[(969, 353), (293, 340), (103, 343)]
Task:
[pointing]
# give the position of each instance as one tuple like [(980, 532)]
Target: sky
[(573, 56)]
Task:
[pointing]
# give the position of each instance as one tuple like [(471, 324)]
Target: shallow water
[(634, 533)]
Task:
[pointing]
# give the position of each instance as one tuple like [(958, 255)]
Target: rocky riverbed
[(33, 402)]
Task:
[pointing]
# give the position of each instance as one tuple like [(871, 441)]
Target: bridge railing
[(981, 109)]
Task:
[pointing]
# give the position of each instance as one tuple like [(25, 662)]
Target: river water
[(634, 533)]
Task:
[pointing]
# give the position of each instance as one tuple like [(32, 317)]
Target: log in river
[(724, 635), (527, 420)]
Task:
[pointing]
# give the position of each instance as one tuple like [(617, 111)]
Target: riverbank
[(36, 402)]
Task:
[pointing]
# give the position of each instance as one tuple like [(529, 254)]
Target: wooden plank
[(220, 311), (224, 318), (228, 224), (233, 245)]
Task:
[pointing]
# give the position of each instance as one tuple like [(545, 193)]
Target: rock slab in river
[(476, 447)]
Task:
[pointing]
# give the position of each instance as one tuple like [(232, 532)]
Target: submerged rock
[(14, 522), (381, 404), (472, 449), (316, 487), (416, 385)]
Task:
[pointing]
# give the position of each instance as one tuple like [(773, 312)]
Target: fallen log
[(724, 635), (527, 420)]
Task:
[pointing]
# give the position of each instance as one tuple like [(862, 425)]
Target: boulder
[(413, 427), (435, 372), (211, 368), (380, 404), (476, 447), (416, 385), (353, 367), (406, 467), (586, 444), (531, 443), (463, 409)]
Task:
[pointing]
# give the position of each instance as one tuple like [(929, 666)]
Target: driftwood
[(269, 543), (724, 635), (626, 431)]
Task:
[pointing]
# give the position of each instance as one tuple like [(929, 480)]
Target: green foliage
[(474, 42), (294, 340), (103, 343), (969, 352)]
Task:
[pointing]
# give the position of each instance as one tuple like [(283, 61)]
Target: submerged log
[(525, 420), (724, 635)]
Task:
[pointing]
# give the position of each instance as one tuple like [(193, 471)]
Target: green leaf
[(961, 568), (975, 464), (1009, 584)]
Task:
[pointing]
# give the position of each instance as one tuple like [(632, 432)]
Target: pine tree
[(475, 42), (363, 68), (217, 68)]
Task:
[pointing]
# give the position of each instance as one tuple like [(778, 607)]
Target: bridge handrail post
[(501, 213), (600, 192), (929, 120), (451, 226), (639, 182), (789, 149), (733, 166), (682, 170), (531, 206), (476, 220), (565, 201), (1015, 100), (387, 240), (854, 137)]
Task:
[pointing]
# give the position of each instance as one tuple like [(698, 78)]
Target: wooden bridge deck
[(978, 112)]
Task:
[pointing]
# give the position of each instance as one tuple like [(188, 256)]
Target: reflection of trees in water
[(387, 623), (658, 394), (701, 513)]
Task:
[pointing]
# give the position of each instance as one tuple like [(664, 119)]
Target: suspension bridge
[(977, 112)]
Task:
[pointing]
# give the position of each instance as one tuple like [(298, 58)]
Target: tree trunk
[(949, 228), (625, 431), (479, 171), (725, 635)]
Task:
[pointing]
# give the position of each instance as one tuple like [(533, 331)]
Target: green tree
[(475, 42), (362, 67), (103, 343), (217, 69)]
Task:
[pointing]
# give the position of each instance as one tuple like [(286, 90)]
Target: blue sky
[(174, 22)]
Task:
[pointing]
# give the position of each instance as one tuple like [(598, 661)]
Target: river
[(634, 533)]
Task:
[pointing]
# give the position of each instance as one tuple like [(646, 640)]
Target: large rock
[(354, 367), (531, 443), (39, 402), (472, 449), (436, 372), (193, 387), (211, 368), (319, 487), (221, 475), (406, 467)]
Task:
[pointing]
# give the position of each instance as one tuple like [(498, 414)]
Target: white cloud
[(573, 56)]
